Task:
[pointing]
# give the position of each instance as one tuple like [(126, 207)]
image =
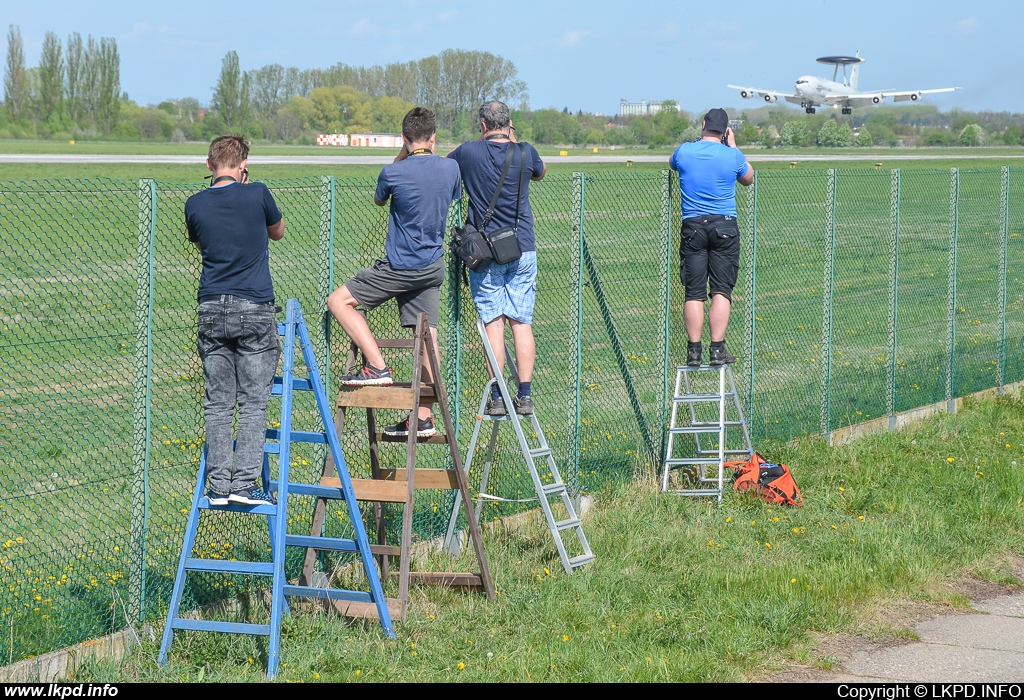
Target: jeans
[(240, 348)]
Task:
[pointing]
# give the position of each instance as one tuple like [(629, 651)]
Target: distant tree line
[(75, 91)]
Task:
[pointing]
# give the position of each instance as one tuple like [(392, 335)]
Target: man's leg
[(342, 306), (496, 336), (693, 316), (259, 350), (428, 376), (718, 317), (219, 400), (526, 349)]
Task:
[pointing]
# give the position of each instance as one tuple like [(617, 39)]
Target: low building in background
[(376, 140), (332, 140), (644, 108)]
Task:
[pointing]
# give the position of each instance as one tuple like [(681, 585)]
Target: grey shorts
[(417, 291)]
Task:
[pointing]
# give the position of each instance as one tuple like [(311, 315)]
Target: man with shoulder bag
[(497, 170)]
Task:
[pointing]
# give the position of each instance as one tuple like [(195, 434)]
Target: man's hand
[(730, 138), (404, 153)]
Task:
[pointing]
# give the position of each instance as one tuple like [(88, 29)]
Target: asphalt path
[(754, 157)]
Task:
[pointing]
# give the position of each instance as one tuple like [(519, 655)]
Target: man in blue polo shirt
[(421, 187), (709, 246), (231, 223)]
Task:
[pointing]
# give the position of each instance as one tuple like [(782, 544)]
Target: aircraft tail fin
[(855, 74)]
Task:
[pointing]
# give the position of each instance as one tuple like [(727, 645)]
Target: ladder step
[(690, 460), (435, 439), (556, 487), (446, 578), (567, 524), (298, 436), (328, 594), (581, 560), (697, 398), (181, 623), (367, 610), (323, 544), (298, 383), (725, 452), (204, 504), (223, 566), (690, 430), (398, 396), (540, 452), (701, 368), (728, 423)]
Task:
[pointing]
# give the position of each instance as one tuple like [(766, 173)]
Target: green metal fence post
[(894, 271), (576, 336), (954, 225), (141, 400), (750, 261), (825, 396), (451, 368), (1004, 241), (325, 276), (665, 274)]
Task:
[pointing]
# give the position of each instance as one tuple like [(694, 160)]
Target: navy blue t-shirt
[(230, 225), (481, 163), (422, 189)]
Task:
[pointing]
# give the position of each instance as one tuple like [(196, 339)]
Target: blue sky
[(575, 54)]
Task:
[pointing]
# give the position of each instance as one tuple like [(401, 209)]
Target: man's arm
[(275, 232), (383, 191), (402, 154), (543, 165), (747, 178)]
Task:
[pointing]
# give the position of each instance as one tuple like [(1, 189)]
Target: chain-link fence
[(862, 293)]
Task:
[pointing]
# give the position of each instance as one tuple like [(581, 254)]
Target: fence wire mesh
[(862, 293)]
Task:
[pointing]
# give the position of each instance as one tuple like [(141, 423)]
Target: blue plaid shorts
[(508, 290)]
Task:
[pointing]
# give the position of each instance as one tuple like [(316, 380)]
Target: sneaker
[(720, 356), (424, 428), (523, 405), (694, 355), (495, 407), (216, 499), (251, 497), (368, 376)]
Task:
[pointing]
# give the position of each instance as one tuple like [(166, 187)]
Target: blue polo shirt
[(708, 171), (421, 188), (481, 163), (230, 225)]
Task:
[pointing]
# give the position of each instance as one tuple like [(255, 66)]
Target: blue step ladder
[(279, 443)]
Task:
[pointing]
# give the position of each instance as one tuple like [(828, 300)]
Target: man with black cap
[(709, 246)]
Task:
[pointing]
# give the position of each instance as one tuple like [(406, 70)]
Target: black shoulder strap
[(522, 181), (494, 200)]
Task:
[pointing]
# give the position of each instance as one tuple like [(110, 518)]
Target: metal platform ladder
[(555, 490), (711, 413), (279, 443)]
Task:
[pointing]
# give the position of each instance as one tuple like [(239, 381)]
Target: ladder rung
[(540, 452), (696, 429), (328, 594), (223, 566), (395, 343), (696, 398), (725, 452), (702, 368), (689, 460), (556, 487), (204, 504), (398, 396), (581, 560), (728, 423), (435, 439), (311, 490), (181, 623), (697, 492), (272, 448), (566, 524), (298, 436), (298, 383), (324, 544)]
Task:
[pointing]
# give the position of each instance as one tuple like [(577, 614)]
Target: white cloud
[(968, 25), (363, 28), (447, 16), (669, 30), (573, 37)]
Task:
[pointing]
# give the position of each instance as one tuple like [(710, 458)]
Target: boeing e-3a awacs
[(811, 91)]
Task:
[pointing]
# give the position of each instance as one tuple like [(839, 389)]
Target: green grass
[(682, 589)]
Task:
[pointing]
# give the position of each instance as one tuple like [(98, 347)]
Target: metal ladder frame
[(544, 491), (704, 458), (277, 514)]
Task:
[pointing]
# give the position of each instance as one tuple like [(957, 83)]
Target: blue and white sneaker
[(251, 497), (216, 499)]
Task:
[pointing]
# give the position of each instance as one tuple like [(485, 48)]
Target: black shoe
[(495, 407), (694, 355), (216, 499), (368, 376), (523, 405), (424, 428), (720, 356), (252, 497)]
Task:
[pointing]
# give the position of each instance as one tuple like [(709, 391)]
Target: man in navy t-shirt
[(709, 246), (504, 292), (232, 223), (421, 187)]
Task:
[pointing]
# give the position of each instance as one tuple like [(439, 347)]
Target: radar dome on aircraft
[(841, 60)]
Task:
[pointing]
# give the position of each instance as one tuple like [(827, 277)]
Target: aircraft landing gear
[(847, 110), (809, 110)]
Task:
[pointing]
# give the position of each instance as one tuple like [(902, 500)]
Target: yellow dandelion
[(950, 459), (461, 666), (565, 638), (792, 580)]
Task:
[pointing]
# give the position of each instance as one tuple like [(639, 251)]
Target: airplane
[(811, 92)]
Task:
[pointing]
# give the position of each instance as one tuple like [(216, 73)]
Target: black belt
[(228, 297), (711, 217)]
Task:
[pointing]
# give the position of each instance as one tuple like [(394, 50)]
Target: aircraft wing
[(915, 95), (767, 95), (867, 99)]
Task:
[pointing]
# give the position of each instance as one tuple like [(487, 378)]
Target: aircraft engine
[(876, 99), (745, 94), (914, 97), (771, 98)]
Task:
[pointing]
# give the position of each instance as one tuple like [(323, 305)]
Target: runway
[(753, 157)]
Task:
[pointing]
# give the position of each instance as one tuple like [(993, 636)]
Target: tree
[(15, 76), (73, 77), (863, 138), (1013, 136), (792, 134), (51, 79), (268, 86), (972, 135), (832, 136), (108, 102), (231, 94), (769, 136)]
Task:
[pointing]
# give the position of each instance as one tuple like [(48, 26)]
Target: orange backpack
[(772, 482)]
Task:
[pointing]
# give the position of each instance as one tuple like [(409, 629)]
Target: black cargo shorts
[(709, 255)]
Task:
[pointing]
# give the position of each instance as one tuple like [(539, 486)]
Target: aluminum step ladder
[(279, 442), (557, 489), (712, 413)]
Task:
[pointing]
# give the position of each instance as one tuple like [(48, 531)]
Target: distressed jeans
[(240, 348)]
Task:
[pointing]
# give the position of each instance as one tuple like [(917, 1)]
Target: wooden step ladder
[(279, 442), (400, 485)]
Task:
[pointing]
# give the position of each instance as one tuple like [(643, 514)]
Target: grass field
[(71, 268), (684, 591)]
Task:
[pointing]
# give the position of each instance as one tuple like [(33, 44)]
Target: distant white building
[(331, 140), (642, 109), (376, 140)]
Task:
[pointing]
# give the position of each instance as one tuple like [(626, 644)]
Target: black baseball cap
[(716, 120)]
